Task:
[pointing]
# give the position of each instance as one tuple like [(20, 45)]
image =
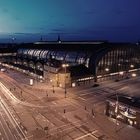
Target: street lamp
[(53, 89), (117, 109), (106, 69), (105, 73), (35, 73), (65, 67), (52, 85), (121, 72), (131, 66), (13, 41), (134, 74)]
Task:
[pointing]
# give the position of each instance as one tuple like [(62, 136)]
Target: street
[(9, 125), (79, 116)]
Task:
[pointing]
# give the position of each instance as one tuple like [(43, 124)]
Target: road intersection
[(80, 116)]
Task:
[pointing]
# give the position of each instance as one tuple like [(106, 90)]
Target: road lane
[(18, 131), (7, 126)]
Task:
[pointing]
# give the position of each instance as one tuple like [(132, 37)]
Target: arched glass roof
[(71, 57), (61, 55), (42, 54)]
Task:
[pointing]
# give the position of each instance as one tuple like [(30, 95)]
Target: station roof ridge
[(71, 42)]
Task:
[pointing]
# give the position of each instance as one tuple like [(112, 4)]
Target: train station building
[(73, 63)]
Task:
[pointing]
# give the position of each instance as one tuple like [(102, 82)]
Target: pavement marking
[(22, 127), (47, 120), (15, 136), (88, 134), (12, 119), (93, 132), (122, 88), (73, 124), (29, 136), (82, 98), (92, 92), (54, 103), (7, 124), (4, 130)]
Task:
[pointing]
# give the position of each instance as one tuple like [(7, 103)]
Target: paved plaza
[(44, 114)]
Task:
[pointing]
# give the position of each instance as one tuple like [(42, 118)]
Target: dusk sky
[(113, 20)]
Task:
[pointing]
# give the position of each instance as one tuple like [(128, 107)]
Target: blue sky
[(113, 20)]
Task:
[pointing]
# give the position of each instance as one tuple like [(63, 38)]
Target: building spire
[(58, 39), (41, 39)]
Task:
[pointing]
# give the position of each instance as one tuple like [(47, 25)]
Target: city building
[(124, 108), (74, 63)]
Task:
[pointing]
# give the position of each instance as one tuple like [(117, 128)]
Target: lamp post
[(65, 67), (13, 41), (52, 82), (106, 71), (117, 110), (53, 89), (131, 66), (35, 73), (121, 73)]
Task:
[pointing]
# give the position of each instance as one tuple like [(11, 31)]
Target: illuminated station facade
[(73, 63)]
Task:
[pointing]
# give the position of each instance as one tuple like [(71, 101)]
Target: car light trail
[(12, 120)]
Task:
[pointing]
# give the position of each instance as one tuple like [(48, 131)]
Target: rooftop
[(128, 100), (70, 42)]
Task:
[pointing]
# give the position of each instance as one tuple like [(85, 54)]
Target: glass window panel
[(25, 51), (71, 57), (81, 58), (19, 51), (60, 55), (53, 54), (43, 54), (36, 54), (30, 53)]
